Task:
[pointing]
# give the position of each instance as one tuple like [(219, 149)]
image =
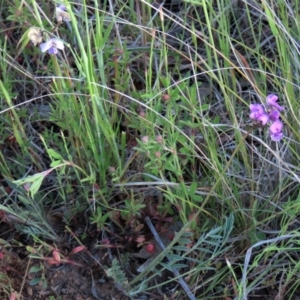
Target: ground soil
[(64, 281)]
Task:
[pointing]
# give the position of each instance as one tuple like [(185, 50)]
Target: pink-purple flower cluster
[(270, 114)]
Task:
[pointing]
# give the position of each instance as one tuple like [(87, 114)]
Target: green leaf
[(54, 154), (35, 281), (165, 82), (169, 166), (184, 150), (171, 266), (197, 198), (30, 249), (35, 269), (182, 241), (34, 188), (193, 188), (196, 2), (55, 163), (257, 236), (204, 107), (3, 192), (216, 120), (189, 124), (44, 285)]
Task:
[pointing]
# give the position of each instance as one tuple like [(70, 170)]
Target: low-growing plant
[(117, 113)]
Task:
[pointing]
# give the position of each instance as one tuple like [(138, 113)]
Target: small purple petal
[(276, 137), (263, 118), (52, 45), (275, 131), (276, 126), (46, 46), (52, 51), (62, 7), (272, 101), (257, 108), (271, 98), (274, 115), (258, 113)]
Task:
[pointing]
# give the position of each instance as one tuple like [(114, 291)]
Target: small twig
[(174, 270)]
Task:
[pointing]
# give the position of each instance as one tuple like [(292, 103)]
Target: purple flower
[(51, 46), (61, 7), (275, 131), (272, 102), (274, 115), (258, 113)]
